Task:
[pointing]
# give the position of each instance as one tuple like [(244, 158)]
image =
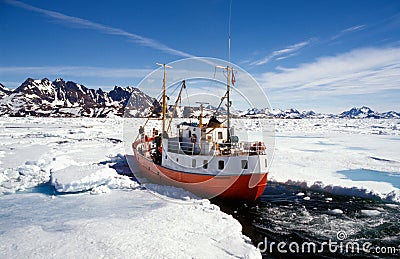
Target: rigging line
[(187, 97), (176, 88), (178, 100), (222, 100), (214, 80), (213, 84)]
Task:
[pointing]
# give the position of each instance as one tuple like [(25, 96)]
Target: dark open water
[(355, 227)]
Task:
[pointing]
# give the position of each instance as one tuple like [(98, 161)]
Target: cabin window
[(221, 164), (245, 164), (205, 164), (166, 157), (194, 163), (177, 160), (220, 135)]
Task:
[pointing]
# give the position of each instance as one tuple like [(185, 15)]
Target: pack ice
[(49, 170)]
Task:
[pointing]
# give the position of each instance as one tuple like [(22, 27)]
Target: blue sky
[(322, 55)]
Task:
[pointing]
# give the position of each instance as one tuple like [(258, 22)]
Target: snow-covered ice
[(83, 178), (358, 157), (49, 171), (122, 224), (336, 211), (82, 157), (370, 212)]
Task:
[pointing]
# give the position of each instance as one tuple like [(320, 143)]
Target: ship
[(204, 156)]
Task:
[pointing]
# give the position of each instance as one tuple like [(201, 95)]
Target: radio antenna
[(229, 33)]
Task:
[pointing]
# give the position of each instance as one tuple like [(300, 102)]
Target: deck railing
[(179, 147), (216, 149), (241, 148)]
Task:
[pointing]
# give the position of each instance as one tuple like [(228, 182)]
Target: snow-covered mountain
[(353, 113), (69, 99), (4, 91), (281, 114), (366, 112)]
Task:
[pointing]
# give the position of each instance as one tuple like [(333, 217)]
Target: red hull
[(241, 187)]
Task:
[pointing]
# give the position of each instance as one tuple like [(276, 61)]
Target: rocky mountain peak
[(355, 112), (4, 91), (60, 98)]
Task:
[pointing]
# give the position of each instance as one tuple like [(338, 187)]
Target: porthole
[(221, 164), (245, 164), (205, 164)]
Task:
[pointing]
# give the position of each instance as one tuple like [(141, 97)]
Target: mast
[(164, 98), (229, 34), (228, 102), (228, 76), (201, 113), (229, 70)]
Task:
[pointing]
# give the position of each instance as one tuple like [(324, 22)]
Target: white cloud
[(82, 23), (282, 53), (361, 71)]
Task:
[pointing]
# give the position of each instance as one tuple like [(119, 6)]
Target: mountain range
[(69, 99), (353, 113)]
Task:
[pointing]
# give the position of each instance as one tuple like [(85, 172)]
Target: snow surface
[(358, 157), (121, 224), (92, 211), (82, 157)]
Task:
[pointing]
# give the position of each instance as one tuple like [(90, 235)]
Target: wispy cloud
[(349, 30), (83, 23), (293, 50), (355, 28), (361, 71), (282, 53)]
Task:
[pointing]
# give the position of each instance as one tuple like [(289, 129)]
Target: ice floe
[(92, 210), (370, 212)]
